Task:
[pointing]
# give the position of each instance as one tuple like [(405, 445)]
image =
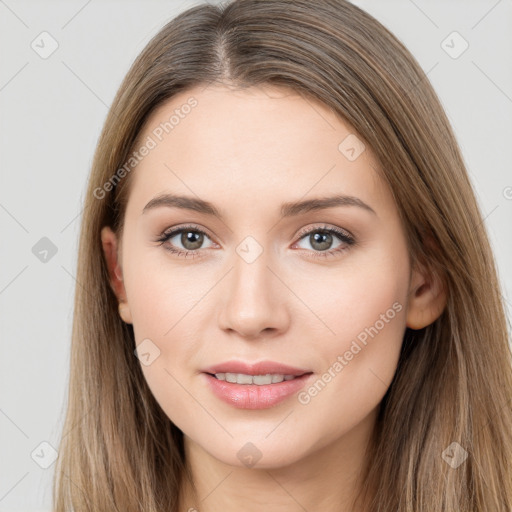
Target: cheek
[(367, 290), (168, 304), (364, 322), (164, 311), (162, 295), (366, 313)]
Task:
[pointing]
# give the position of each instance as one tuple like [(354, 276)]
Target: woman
[(287, 295)]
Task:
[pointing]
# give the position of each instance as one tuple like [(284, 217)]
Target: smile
[(259, 380), (245, 391)]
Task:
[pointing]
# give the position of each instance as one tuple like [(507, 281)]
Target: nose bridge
[(253, 300), (251, 279)]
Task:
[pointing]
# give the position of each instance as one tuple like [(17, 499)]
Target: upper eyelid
[(178, 229), (335, 230)]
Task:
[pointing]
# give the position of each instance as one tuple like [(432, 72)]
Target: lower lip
[(252, 396)]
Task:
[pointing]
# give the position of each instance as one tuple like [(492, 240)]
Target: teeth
[(260, 380)]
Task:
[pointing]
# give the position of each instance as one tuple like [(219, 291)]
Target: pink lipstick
[(255, 386)]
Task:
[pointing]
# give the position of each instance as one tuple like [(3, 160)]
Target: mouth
[(231, 370), (258, 380), (258, 391)]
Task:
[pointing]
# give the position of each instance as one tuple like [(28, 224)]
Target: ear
[(427, 298), (111, 251)]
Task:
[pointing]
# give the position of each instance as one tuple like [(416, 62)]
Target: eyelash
[(342, 235)]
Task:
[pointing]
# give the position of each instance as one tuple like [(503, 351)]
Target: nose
[(254, 300)]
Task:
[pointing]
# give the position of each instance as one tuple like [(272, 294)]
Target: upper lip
[(259, 368)]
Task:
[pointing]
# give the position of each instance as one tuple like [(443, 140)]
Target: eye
[(322, 238), (191, 239)]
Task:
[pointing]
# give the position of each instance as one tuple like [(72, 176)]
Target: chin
[(262, 454)]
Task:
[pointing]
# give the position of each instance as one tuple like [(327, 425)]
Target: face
[(252, 278)]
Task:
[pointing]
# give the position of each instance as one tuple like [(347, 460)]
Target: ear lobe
[(110, 250), (427, 299)]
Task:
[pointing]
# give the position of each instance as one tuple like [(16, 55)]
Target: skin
[(247, 152)]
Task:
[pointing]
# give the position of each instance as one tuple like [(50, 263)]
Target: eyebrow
[(287, 209)]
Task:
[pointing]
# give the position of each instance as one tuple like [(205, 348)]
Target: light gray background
[(52, 111)]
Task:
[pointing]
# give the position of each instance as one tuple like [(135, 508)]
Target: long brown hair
[(119, 451)]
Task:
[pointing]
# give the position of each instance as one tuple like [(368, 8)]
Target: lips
[(252, 396), (259, 368), (231, 382)]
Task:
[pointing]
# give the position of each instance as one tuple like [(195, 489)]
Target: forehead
[(261, 142)]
